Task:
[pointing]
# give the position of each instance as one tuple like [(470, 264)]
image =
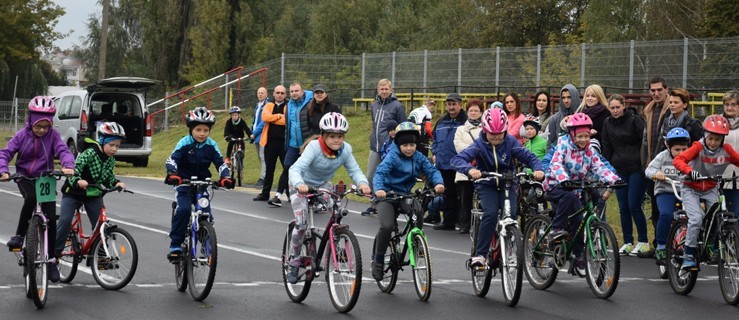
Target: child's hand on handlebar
[(120, 184), (82, 184), (4, 176), (659, 176), (380, 194), (538, 175), (439, 188), (68, 171), (475, 174), (365, 189), (303, 189)]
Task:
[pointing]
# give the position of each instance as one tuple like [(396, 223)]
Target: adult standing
[(463, 138), (515, 115), (318, 106), (443, 150), (422, 117), (273, 143), (621, 139), (294, 138), (385, 108), (257, 127), (731, 113), (594, 105), (542, 111), (568, 97), (678, 116)]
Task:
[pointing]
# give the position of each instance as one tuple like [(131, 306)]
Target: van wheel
[(72, 148), (141, 162)]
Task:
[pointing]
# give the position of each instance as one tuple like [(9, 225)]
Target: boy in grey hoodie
[(568, 97)]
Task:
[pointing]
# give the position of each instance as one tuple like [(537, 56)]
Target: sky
[(75, 18)]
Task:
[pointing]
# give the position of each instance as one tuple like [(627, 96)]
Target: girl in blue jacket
[(493, 151)]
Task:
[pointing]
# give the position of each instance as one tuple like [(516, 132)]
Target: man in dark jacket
[(443, 150)]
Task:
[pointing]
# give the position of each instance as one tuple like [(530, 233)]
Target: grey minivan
[(120, 99)]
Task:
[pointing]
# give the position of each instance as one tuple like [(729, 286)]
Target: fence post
[(459, 70), (282, 69), (538, 66), (582, 68), (631, 66), (364, 58), (393, 71), (425, 69), (497, 68), (226, 92), (685, 62), (166, 113)]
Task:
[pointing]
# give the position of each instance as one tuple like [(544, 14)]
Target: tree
[(613, 21), (209, 36)]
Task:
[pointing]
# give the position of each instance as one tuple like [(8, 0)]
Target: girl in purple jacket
[(36, 147)]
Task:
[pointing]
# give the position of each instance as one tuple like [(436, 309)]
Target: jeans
[(630, 200), (185, 200), (465, 203), (492, 200), (260, 154), (666, 204), (69, 205)]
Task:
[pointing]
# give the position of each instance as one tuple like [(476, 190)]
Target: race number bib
[(45, 189)]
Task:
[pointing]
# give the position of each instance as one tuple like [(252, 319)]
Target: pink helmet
[(42, 104), (577, 121), (494, 121)]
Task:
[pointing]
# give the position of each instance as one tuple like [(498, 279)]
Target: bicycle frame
[(195, 217), (410, 229)]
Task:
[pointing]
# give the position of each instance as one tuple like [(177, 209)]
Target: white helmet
[(111, 129), (200, 115), (334, 122)]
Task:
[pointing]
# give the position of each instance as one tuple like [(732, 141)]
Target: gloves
[(173, 179), (695, 175), (227, 183)]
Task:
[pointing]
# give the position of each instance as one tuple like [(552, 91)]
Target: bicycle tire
[(70, 258), (180, 272), (344, 279), (238, 167), (728, 267), (422, 271), (603, 263), (480, 278), (35, 264), (115, 271), (201, 268), (511, 267), (682, 282), (538, 256), (299, 291), (391, 267)]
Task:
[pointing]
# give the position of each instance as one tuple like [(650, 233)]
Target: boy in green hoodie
[(536, 144)]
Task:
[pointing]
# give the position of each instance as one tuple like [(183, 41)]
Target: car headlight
[(203, 202)]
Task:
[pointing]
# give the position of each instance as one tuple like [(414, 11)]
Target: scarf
[(594, 111), (733, 122), (235, 122), (327, 151), (474, 122), (672, 121)]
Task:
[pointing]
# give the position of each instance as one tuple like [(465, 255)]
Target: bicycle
[(34, 255), (110, 251), (662, 267), (196, 269), (343, 262), (237, 159), (544, 257), (531, 200), (718, 227), (505, 246), (416, 245)]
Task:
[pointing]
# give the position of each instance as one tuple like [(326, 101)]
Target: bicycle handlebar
[(588, 184), (507, 176), (207, 182), (105, 189), (392, 195), (58, 174), (673, 183)]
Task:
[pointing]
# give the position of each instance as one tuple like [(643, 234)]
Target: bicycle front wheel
[(70, 258), (728, 267), (238, 167), (681, 281), (481, 277), (180, 271), (344, 272), (35, 262), (390, 267), (422, 270), (203, 260), (512, 265), (115, 269), (297, 291), (602, 259), (538, 256)]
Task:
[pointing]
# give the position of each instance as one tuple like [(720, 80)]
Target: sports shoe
[(431, 219), (228, 161), (175, 253), (478, 262), (261, 197), (369, 211), (556, 234), (626, 249), (292, 276), (275, 201), (661, 256), (646, 254), (640, 247), (378, 270), (689, 262), (15, 243), (52, 271), (580, 265)]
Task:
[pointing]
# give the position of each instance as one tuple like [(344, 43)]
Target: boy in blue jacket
[(398, 173)]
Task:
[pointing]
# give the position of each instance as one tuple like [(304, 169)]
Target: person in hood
[(35, 148), (568, 97)]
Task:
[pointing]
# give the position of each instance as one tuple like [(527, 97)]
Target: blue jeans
[(567, 203), (185, 201), (666, 204), (630, 200), (492, 199), (66, 215)]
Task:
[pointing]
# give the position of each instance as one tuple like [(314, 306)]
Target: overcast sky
[(75, 19)]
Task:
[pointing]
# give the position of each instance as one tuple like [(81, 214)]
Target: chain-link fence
[(7, 115)]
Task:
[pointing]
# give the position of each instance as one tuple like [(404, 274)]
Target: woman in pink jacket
[(515, 115)]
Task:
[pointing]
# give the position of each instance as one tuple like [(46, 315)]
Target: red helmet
[(494, 121), (716, 124)]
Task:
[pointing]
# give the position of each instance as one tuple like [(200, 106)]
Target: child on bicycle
[(36, 147), (677, 141), (191, 158), (494, 151), (573, 160), (235, 128), (398, 173), (705, 158), (315, 168), (93, 166)]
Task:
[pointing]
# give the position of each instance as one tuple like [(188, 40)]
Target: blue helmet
[(677, 135)]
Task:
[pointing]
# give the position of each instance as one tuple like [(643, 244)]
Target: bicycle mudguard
[(409, 243)]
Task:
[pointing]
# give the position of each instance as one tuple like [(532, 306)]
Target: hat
[(404, 137), (497, 104), (320, 87), (391, 125), (430, 101), (453, 97)]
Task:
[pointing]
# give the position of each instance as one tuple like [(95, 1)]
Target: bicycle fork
[(334, 255), (409, 244)]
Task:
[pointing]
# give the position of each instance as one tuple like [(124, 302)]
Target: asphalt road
[(249, 281)]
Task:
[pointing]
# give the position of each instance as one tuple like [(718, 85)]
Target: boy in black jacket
[(235, 128)]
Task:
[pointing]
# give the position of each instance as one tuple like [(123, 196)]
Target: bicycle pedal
[(15, 250)]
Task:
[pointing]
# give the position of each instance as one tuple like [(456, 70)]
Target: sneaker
[(661, 256), (478, 262), (646, 254), (556, 234), (689, 262), (15, 243), (52, 271), (443, 226), (175, 253), (378, 270), (640, 247), (580, 265), (431, 219), (261, 197), (228, 161), (275, 201), (369, 211), (292, 276), (626, 249)]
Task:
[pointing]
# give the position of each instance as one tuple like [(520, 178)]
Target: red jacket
[(707, 165)]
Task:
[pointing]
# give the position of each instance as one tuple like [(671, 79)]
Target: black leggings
[(231, 145), (386, 212), (273, 151), (28, 190)]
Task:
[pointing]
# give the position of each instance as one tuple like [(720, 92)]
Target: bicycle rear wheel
[(238, 167), (481, 277), (728, 267), (391, 266), (297, 291), (538, 256), (603, 262), (70, 258), (512, 265), (681, 281), (35, 262), (114, 270), (344, 271), (203, 260), (422, 270)]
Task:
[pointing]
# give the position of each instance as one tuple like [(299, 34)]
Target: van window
[(64, 106), (74, 110)]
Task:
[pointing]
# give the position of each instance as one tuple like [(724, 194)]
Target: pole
[(459, 71), (393, 71), (15, 104), (631, 67), (282, 69), (685, 62), (497, 68), (166, 112), (103, 40), (582, 67), (364, 64), (538, 66), (425, 69)]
